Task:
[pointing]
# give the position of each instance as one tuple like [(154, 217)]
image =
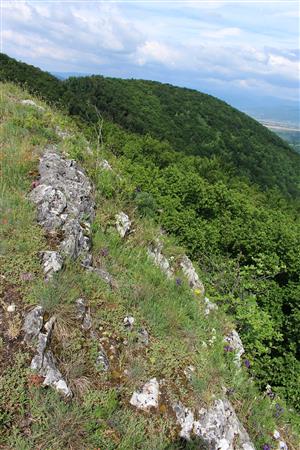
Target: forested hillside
[(221, 185), (191, 122)]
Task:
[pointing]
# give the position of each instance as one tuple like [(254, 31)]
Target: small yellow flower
[(197, 292)]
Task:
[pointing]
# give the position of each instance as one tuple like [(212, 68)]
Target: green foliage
[(146, 204), (13, 397)]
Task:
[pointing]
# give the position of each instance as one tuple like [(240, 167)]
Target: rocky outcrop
[(64, 203), (38, 334), (123, 224), (147, 397), (65, 208)]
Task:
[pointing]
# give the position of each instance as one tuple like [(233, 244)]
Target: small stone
[(209, 306), (104, 164), (87, 322), (80, 307), (189, 371), (147, 397), (102, 361), (62, 134), (276, 434), (143, 336), (128, 321), (11, 308), (26, 276), (123, 224)]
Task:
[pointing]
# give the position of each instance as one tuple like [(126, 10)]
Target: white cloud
[(212, 39), (156, 51)]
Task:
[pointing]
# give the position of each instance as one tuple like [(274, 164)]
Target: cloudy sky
[(225, 48)]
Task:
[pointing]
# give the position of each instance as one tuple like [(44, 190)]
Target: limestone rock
[(52, 263), (209, 306), (123, 224), (103, 274), (80, 307), (128, 321), (52, 376), (43, 362), (32, 103), (185, 419), (64, 204), (104, 164), (33, 323), (191, 274), (62, 134), (143, 336), (11, 308), (220, 428), (147, 397), (155, 253), (83, 314), (102, 360), (234, 341), (281, 444)]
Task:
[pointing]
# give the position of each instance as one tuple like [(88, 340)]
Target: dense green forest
[(226, 187)]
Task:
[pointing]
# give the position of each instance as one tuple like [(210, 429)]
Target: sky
[(232, 49)]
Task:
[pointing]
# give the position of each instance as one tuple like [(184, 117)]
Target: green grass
[(99, 415)]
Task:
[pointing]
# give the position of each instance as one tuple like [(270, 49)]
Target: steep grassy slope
[(99, 414)]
